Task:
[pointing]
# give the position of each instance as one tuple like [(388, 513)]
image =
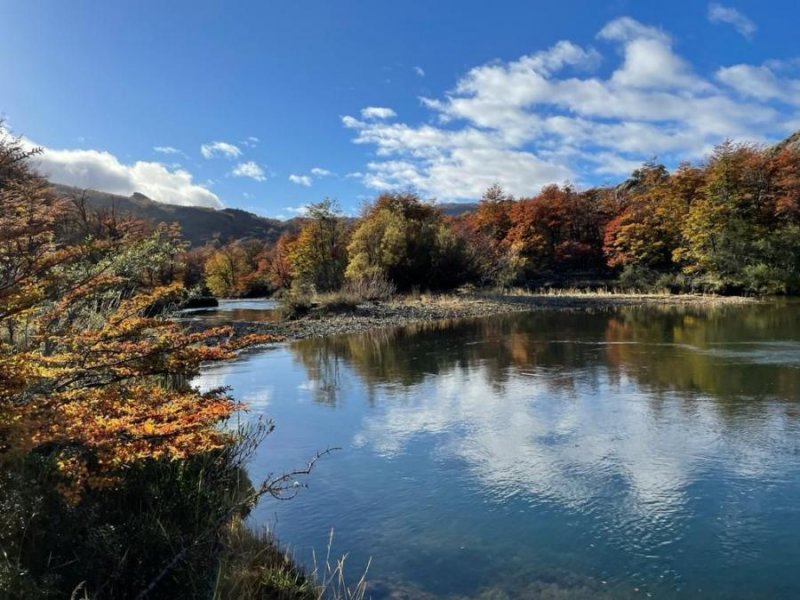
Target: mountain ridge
[(201, 224), (198, 224)]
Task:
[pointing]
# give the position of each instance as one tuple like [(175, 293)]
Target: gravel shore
[(408, 310)]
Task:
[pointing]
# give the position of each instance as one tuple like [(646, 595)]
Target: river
[(635, 452)]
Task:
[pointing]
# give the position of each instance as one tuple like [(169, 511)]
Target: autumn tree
[(408, 241), (319, 254), (484, 232), (194, 265), (492, 217), (277, 261), (557, 229), (257, 277), (741, 232), (647, 230), (83, 361), (226, 271)]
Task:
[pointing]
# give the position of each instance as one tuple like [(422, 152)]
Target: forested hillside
[(198, 224)]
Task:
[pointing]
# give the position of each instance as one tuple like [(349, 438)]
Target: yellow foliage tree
[(226, 271)]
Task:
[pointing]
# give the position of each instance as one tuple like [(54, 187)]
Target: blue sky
[(268, 106)]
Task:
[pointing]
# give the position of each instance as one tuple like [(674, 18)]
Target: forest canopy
[(729, 225)]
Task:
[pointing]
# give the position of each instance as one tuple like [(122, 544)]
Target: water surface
[(626, 453), (234, 309)]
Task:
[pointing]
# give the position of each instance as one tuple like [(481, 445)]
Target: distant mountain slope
[(199, 225), (455, 209)]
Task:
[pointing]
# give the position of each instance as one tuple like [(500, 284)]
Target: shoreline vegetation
[(118, 479), (333, 314)]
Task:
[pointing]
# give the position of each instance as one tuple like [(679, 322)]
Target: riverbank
[(407, 310)]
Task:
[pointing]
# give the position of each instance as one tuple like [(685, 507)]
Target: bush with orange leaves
[(90, 375)]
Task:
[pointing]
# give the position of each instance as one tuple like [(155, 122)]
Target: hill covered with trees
[(199, 225)]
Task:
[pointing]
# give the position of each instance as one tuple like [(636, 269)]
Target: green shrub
[(638, 278)]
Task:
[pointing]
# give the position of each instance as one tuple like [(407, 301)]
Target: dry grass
[(466, 298), (613, 292), (330, 578)]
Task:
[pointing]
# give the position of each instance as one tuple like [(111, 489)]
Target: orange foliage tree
[(484, 231), (90, 375), (558, 229), (647, 230), (277, 263)]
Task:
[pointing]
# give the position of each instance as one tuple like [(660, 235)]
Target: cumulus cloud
[(377, 112), (303, 180), (249, 169), (99, 170), (718, 13), (548, 117), (225, 149), (650, 62)]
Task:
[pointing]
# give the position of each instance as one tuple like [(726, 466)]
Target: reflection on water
[(234, 309), (622, 453)]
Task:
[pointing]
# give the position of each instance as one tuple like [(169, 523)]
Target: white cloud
[(166, 150), (419, 71), (220, 149), (761, 83), (608, 163), (320, 172), (626, 29), (308, 180), (649, 62), (377, 112), (291, 212), (547, 117), (249, 169), (718, 13), (100, 170), (251, 141)]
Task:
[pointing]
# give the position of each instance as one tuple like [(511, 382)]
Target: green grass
[(253, 566)]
